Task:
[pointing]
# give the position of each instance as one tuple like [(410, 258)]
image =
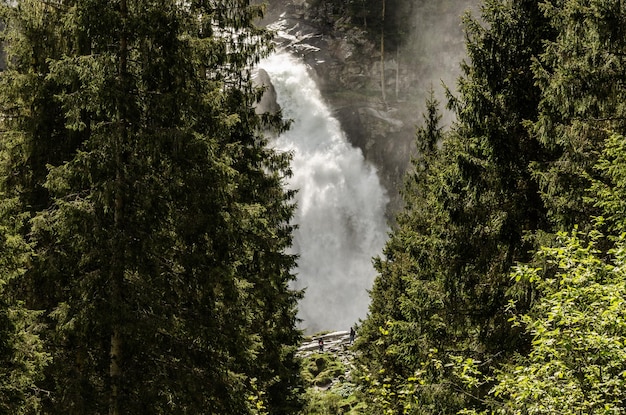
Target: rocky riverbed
[(336, 347)]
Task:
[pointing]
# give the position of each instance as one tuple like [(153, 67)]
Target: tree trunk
[(382, 56), (117, 263), (397, 72), (115, 370)]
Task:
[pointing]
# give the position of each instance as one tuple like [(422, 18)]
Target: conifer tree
[(576, 360), (162, 234), (466, 221), (575, 363), (580, 75), (22, 357), (494, 204), (537, 148), (393, 340), (23, 156)]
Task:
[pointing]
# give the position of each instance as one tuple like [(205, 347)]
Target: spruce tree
[(577, 323), (580, 75), (161, 238), (23, 156), (494, 204), (466, 221), (537, 148), (22, 357), (395, 339)]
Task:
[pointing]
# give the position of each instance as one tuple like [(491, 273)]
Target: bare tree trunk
[(115, 371), (382, 56), (397, 72)]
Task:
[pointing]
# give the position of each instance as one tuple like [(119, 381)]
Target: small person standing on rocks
[(321, 344), (352, 334)]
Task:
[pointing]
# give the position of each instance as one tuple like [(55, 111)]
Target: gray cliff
[(347, 66)]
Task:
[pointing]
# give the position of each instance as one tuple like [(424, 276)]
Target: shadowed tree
[(160, 229), (581, 78), (470, 204)]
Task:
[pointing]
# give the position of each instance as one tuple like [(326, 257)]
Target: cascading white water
[(341, 203)]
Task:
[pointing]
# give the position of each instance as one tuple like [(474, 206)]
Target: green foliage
[(581, 102), (609, 187), (22, 355), (154, 209), (538, 147), (330, 402), (470, 202), (323, 396), (427, 390), (319, 369), (22, 359), (389, 397), (578, 326)]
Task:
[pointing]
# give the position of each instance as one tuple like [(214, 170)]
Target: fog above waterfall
[(434, 48), (340, 203)]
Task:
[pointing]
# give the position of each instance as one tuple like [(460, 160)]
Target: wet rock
[(268, 102)]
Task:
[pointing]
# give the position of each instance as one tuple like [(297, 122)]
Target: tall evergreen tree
[(162, 239), (576, 361), (608, 189), (581, 78), (537, 148), (495, 203), (406, 319), (22, 357), (26, 146), (459, 237)]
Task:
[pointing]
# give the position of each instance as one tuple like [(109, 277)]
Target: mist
[(434, 48), (340, 203)]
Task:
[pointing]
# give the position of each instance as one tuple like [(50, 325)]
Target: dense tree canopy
[(577, 360), (154, 209), (537, 148), (470, 200), (22, 357), (144, 225), (582, 101)]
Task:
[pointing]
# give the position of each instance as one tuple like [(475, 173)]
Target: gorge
[(351, 147)]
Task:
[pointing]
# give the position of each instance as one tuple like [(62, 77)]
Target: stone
[(268, 102)]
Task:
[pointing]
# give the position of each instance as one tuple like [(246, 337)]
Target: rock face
[(268, 103), (338, 345), (347, 64), (332, 342)]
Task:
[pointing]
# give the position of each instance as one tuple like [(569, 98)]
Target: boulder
[(268, 102)]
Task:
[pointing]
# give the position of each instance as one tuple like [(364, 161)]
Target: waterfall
[(340, 203)]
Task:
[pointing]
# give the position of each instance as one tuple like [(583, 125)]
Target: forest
[(145, 228)]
